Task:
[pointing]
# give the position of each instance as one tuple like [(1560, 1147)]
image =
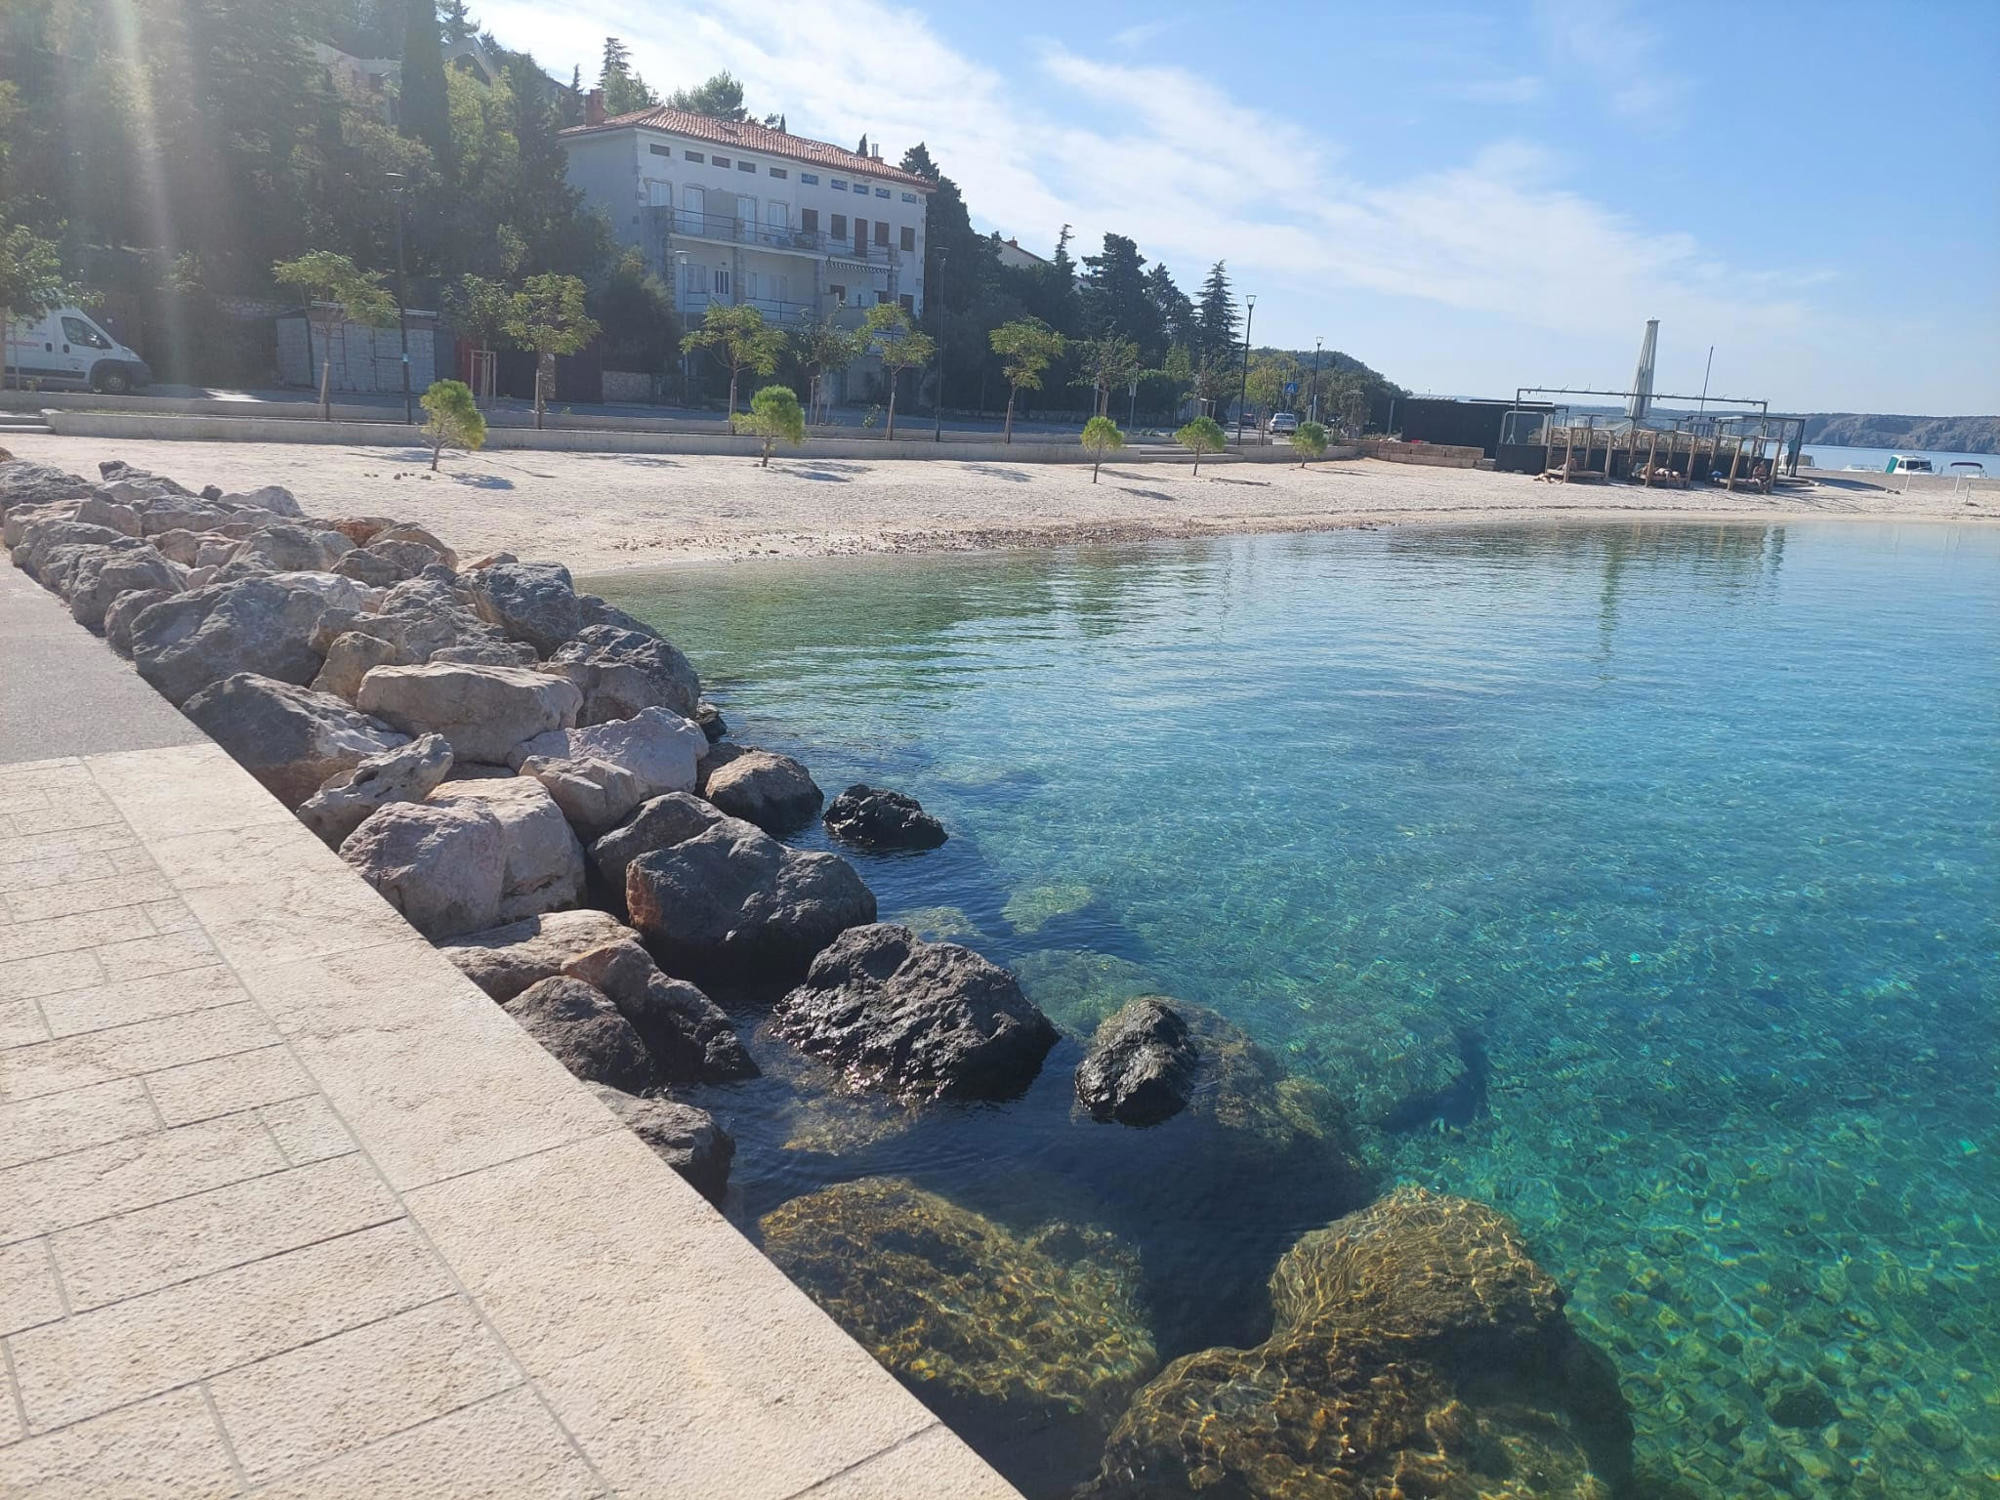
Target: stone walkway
[(288, 1207)]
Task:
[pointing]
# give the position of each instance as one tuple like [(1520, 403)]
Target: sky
[(1469, 198)]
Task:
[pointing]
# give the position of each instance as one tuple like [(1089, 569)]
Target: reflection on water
[(1638, 880)]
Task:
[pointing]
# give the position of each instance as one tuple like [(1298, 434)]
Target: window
[(746, 166), (778, 215), (840, 226), (718, 161), (839, 294), (909, 238), (881, 298), (659, 194), (881, 192), (809, 220), (695, 278), (838, 184), (780, 173), (909, 197), (694, 201), (753, 285), (882, 233), (692, 155), (722, 281), (76, 331), (659, 150), (860, 236), (909, 304), (810, 179)]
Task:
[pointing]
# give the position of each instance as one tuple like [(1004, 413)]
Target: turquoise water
[(1685, 834)]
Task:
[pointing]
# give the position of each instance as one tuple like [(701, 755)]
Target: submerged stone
[(1141, 1065)]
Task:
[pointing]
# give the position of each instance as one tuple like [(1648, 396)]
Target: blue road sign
[(1291, 387)]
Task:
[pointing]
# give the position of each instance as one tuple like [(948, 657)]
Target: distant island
[(1847, 429)]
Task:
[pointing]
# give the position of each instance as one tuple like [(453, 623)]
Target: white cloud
[(1609, 45)]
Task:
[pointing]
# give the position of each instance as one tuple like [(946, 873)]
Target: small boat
[(1909, 463), (1966, 468)]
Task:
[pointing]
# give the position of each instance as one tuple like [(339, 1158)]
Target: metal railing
[(735, 231)]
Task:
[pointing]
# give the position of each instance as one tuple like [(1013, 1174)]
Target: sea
[(1825, 457), (1681, 841)]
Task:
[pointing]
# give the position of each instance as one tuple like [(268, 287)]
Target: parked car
[(1283, 423), (66, 347)]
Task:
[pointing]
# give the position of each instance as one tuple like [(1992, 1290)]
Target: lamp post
[(402, 299), (1243, 390), (1315, 400), (937, 409)]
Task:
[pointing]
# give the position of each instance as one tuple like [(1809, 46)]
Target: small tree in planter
[(1202, 435), (1029, 346), (337, 292), (454, 418), (741, 339), (822, 346), (1100, 436), (1309, 441), (775, 417), (548, 317), (886, 331)]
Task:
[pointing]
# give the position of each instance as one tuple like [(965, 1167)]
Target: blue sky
[(1470, 198)]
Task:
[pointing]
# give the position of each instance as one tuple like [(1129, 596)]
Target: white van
[(65, 347)]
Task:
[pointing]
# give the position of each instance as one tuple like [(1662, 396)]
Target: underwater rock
[(1141, 1065), (1034, 907), (1417, 1350), (981, 1321), (875, 818), (1807, 1405)]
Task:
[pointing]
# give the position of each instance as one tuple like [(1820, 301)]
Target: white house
[(741, 213)]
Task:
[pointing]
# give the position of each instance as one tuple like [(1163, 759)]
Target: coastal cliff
[(1846, 429)]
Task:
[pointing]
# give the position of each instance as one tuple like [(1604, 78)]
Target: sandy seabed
[(602, 512)]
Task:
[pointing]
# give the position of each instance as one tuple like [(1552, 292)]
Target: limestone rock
[(914, 1019), (123, 611), (685, 1138), (259, 625), (1141, 1065), (441, 867), (23, 482), (544, 862), (407, 773), (688, 1034), (274, 498), (290, 738), (102, 578), (591, 610), (733, 902), (577, 1024), (285, 548), (622, 672), (366, 567), (503, 961), (361, 530), (532, 602), (875, 818), (409, 534), (601, 773), (773, 791), (485, 712), (659, 823)]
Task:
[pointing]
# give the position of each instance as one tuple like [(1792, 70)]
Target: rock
[(1805, 1406), (1004, 1333), (591, 610), (123, 611), (98, 511), (875, 818), (101, 579), (361, 530), (284, 548), (23, 519), (532, 602), (1416, 1350), (407, 773), (544, 862), (773, 791), (441, 867), (733, 903), (335, 591), (503, 961), (688, 1034), (363, 566), (258, 625), (49, 535), (409, 534), (485, 712), (408, 558), (350, 657), (658, 823), (1141, 1065), (622, 672), (685, 1138), (600, 774), (275, 498), (914, 1019), (23, 482), (577, 1024), (490, 560), (290, 738), (709, 717)]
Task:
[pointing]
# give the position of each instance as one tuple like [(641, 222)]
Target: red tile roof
[(758, 139)]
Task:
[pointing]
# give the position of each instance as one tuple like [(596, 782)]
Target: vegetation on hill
[(1846, 429)]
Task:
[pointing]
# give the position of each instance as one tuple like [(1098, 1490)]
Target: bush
[(454, 418), (1202, 435), (1101, 436), (1309, 441), (775, 417)]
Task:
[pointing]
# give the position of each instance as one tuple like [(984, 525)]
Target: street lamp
[(937, 409), (402, 299), (1315, 399), (1243, 390)]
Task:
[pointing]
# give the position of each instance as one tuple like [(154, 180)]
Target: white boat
[(1910, 463)]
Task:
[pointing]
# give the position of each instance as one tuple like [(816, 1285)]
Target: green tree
[(454, 418), (641, 329), (422, 110), (719, 98), (1215, 317), (1105, 364), (336, 293), (1202, 435), (1029, 346), (775, 417), (1116, 298), (886, 333), (739, 337), (548, 317), (822, 346), (1308, 441), (1100, 436), (31, 280), (458, 26), (624, 89), (479, 311)]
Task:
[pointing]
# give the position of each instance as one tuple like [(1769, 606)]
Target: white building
[(740, 213), (1011, 254)]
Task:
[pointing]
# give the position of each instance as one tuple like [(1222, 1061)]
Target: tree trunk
[(1197, 460), (1008, 435), (1093, 469), (326, 384), (733, 370), (545, 369), (892, 405), (437, 451)]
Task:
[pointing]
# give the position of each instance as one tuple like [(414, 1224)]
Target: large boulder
[(407, 773), (733, 903), (441, 867), (24, 519), (485, 712), (274, 498), (23, 482), (260, 625), (532, 602), (101, 578), (600, 774), (409, 534), (123, 611), (1417, 1349), (52, 542), (288, 737), (876, 818), (914, 1019), (577, 1024), (1141, 1065), (376, 572), (544, 862), (773, 791), (623, 672), (282, 547), (688, 1034), (658, 823), (685, 1138), (591, 610), (418, 621), (503, 961)]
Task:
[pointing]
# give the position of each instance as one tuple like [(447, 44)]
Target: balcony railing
[(694, 304), (735, 231)]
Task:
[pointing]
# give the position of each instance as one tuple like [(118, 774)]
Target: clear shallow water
[(1691, 827)]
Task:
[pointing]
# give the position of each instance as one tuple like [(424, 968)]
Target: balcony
[(694, 306), (729, 229)]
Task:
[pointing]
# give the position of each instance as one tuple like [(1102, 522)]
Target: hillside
[(1846, 429)]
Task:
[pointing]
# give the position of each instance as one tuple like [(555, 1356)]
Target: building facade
[(732, 212)]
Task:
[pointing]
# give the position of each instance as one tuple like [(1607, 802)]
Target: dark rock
[(1141, 1065), (259, 625), (622, 672), (659, 823), (408, 773), (915, 1019), (1804, 1406), (123, 611), (577, 1024), (23, 482), (685, 1138), (591, 610), (709, 717), (503, 961), (688, 1034), (364, 566), (290, 738), (532, 602), (875, 818), (773, 791)]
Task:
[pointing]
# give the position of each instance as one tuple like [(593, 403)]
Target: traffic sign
[(1291, 387)]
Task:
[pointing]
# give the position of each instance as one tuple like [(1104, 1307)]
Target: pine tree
[(1216, 318), (426, 116), (624, 89), (458, 26)]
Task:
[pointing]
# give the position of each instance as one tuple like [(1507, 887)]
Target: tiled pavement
[(288, 1207)]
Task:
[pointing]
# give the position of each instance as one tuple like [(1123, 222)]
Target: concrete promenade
[(289, 1208)]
